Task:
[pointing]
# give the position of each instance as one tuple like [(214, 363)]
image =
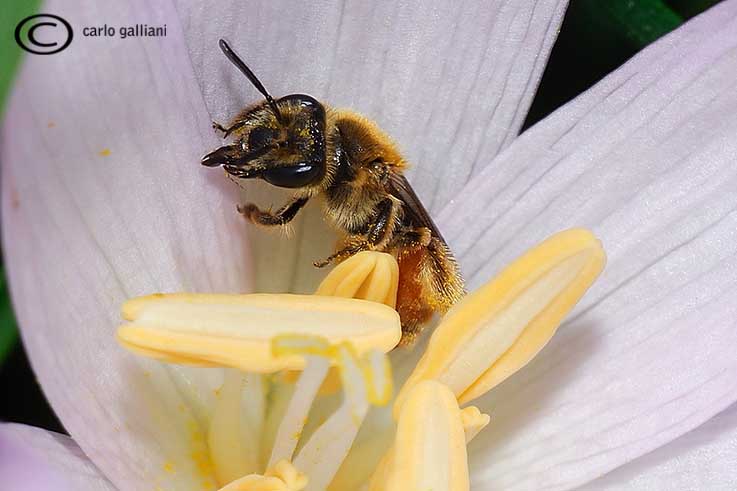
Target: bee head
[(282, 141)]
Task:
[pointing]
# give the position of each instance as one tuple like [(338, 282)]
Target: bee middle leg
[(283, 215), (354, 248), (379, 234)]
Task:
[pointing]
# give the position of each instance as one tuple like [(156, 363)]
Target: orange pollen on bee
[(414, 307)]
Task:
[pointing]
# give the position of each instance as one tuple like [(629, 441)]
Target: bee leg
[(344, 253), (227, 131), (283, 215), (412, 237), (379, 233), (218, 127), (382, 229)]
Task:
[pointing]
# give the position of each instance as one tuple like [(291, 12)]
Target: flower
[(645, 159)]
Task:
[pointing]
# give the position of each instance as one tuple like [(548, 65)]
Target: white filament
[(227, 450), (325, 451), (290, 429)]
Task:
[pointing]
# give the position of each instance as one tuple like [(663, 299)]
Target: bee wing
[(414, 210)]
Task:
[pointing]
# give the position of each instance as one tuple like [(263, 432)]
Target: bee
[(353, 167)]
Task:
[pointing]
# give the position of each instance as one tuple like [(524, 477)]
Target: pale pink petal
[(704, 458), (647, 159), (450, 82), (32, 459), (103, 198)]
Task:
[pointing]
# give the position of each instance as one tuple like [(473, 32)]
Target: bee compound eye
[(260, 136), (295, 176)]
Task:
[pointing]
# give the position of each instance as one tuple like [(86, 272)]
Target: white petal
[(33, 459), (646, 159), (704, 458), (448, 82), (83, 231)]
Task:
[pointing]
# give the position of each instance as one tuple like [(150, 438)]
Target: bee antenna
[(235, 59)]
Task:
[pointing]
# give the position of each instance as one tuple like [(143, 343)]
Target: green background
[(595, 38), (10, 13)]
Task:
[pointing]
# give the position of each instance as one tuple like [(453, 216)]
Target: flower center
[(365, 380), (309, 436)]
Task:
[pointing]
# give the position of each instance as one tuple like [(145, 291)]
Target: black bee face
[(285, 147)]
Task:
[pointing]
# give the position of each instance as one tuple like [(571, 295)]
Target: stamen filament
[(326, 449), (278, 401), (229, 456), (291, 426)]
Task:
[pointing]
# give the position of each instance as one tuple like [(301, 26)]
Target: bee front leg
[(227, 131), (283, 215)]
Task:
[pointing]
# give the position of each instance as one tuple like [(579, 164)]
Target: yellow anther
[(429, 450), (499, 328), (237, 330), (368, 275)]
